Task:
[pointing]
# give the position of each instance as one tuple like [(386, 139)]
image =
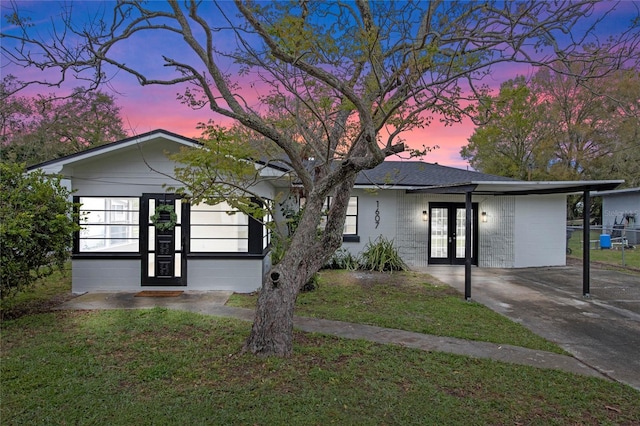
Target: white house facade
[(421, 206)]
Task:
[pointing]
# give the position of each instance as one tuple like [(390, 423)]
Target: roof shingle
[(418, 173)]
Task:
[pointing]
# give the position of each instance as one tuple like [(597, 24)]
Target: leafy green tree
[(36, 227), (572, 123), (333, 86), (513, 140), (46, 127), (623, 129)]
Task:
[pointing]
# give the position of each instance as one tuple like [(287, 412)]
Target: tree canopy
[(45, 127), (561, 126), (333, 85)]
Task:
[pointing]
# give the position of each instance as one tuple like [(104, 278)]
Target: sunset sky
[(153, 107)]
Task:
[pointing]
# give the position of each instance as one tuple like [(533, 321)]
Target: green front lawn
[(162, 367), (406, 301)]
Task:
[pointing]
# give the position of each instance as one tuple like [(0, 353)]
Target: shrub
[(36, 227), (381, 255), (312, 284), (343, 259)]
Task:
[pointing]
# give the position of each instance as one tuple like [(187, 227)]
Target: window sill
[(351, 238), (106, 255), (225, 256)]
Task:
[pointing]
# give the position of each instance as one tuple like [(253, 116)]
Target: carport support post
[(586, 245), (467, 246)]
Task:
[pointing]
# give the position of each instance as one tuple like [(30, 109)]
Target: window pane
[(152, 265), (178, 209), (350, 225), (178, 265), (461, 220), (109, 224), (178, 237), (219, 245), (224, 206), (352, 208), (218, 228), (439, 232), (351, 221), (220, 231), (218, 218)]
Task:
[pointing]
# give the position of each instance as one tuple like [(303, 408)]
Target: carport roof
[(514, 187), (422, 177)]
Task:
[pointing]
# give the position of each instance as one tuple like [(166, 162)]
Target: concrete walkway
[(602, 331), (212, 303)]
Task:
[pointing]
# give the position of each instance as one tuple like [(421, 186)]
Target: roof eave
[(59, 163), (520, 187)]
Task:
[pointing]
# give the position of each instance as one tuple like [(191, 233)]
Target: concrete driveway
[(602, 331)]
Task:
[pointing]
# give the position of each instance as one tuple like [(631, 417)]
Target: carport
[(522, 188)]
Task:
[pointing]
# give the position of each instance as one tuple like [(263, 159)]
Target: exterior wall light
[(425, 215), (484, 217)]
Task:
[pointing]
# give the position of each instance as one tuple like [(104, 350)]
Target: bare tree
[(336, 81)]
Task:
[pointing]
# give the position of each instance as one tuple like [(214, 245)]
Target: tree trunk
[(272, 330)]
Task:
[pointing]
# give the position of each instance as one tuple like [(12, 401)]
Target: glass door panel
[(447, 243), (461, 221), (439, 235)]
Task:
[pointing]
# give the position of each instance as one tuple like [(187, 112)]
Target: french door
[(163, 257), (447, 222)]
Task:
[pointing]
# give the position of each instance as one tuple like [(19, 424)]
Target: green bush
[(312, 284), (343, 259), (381, 255), (37, 223)]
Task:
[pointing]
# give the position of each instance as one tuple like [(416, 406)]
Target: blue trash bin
[(605, 241)]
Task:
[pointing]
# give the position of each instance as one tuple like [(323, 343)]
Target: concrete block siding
[(519, 231)]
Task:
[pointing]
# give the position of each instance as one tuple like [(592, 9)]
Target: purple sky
[(153, 107)]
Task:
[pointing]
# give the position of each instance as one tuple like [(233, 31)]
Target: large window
[(218, 228), (351, 219), (109, 224), (267, 221)]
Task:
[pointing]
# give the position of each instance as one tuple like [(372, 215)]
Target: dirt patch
[(35, 307)]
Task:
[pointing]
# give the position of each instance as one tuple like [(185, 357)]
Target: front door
[(163, 260), (447, 233)]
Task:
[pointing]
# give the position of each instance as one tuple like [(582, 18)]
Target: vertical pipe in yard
[(586, 238), (467, 246)]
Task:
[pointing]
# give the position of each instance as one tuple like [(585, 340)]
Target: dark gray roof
[(418, 173)]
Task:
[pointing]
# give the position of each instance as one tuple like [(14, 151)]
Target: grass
[(158, 366), (45, 293), (406, 301), (609, 256)]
